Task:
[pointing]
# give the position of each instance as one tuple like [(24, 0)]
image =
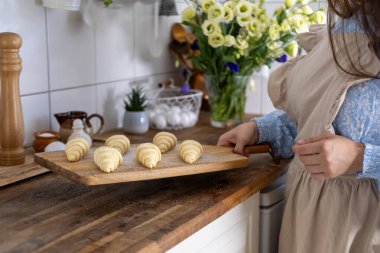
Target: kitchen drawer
[(235, 231)]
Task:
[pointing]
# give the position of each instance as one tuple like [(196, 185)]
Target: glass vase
[(227, 96)]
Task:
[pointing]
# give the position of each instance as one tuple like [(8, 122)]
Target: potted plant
[(136, 119)]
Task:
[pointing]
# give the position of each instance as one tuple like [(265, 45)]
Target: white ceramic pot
[(136, 122)]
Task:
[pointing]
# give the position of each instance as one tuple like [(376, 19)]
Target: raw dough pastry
[(165, 141), (119, 142), (190, 151), (107, 158), (76, 149), (148, 155)]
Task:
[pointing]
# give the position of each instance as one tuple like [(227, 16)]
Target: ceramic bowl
[(44, 138)]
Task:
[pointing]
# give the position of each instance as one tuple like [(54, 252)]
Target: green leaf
[(135, 101), (193, 26), (107, 3), (280, 17), (229, 58), (287, 37)]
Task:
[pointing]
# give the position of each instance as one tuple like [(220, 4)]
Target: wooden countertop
[(49, 213)]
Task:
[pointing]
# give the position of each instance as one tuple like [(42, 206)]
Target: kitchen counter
[(49, 213)]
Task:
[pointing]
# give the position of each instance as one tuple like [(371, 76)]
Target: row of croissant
[(110, 156)]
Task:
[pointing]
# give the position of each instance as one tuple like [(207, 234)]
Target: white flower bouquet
[(238, 36), (243, 33)]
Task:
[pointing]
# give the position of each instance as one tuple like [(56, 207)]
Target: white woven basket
[(171, 110)]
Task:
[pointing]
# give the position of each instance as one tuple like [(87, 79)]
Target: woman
[(330, 121)]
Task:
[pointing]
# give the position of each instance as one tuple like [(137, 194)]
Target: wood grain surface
[(52, 214), (171, 165), (12, 174)]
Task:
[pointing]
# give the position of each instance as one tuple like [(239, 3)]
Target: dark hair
[(367, 13)]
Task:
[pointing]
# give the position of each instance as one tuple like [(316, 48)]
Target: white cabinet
[(235, 231)]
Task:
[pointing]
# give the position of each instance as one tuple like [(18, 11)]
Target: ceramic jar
[(44, 138), (66, 120)]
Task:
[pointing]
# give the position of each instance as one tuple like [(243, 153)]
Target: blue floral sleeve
[(371, 162), (279, 130), (361, 123)]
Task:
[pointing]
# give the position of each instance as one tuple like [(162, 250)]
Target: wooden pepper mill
[(11, 120)]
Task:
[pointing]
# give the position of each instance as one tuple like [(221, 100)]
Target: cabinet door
[(235, 231)]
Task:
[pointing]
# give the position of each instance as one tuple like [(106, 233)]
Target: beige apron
[(339, 215)]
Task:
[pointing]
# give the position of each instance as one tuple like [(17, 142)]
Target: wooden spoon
[(180, 34)]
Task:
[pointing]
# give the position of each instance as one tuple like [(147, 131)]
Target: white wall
[(69, 65)]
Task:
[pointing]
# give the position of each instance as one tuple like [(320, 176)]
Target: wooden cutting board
[(86, 172)]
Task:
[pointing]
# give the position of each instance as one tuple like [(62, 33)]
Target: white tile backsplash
[(71, 47), (28, 19), (152, 54), (314, 6), (36, 115), (110, 103), (266, 103), (114, 43), (322, 4), (154, 80), (253, 92)]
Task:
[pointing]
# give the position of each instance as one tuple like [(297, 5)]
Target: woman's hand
[(329, 155), (240, 136)]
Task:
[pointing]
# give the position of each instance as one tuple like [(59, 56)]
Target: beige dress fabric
[(338, 215)]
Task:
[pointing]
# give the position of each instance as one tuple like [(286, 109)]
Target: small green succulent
[(136, 100)]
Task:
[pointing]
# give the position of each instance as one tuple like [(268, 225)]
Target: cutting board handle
[(262, 148), (257, 149)]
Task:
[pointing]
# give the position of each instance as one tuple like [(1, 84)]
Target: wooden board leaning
[(85, 171)]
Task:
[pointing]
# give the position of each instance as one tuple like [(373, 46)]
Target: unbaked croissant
[(148, 155), (190, 151), (76, 149), (119, 142), (107, 158), (165, 141)]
